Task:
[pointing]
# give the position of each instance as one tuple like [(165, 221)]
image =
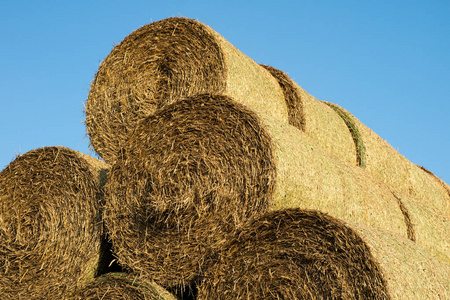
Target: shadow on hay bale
[(305, 254), (50, 229), (115, 286), (165, 61), (200, 167), (294, 254)]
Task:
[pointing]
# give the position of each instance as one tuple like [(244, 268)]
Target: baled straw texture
[(118, 286), (294, 254), (431, 228), (387, 164), (200, 167), (410, 271), (164, 61), (182, 182), (316, 119), (49, 223), (304, 254), (350, 140)]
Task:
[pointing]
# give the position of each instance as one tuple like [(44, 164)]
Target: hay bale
[(198, 168), (319, 121), (114, 286), (431, 227), (350, 140), (164, 61), (387, 164), (304, 254), (294, 254), (410, 271), (49, 223)]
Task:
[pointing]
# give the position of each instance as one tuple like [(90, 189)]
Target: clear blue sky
[(387, 62)]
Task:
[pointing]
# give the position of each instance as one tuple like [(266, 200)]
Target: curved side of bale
[(291, 96), (167, 60), (200, 167), (385, 163), (410, 271), (309, 178), (445, 185), (115, 286), (431, 228), (319, 121), (50, 223), (359, 143), (295, 254)]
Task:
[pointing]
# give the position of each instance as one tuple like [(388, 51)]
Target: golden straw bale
[(198, 168), (118, 286), (305, 254), (294, 254), (431, 227), (316, 119), (164, 61), (342, 135), (50, 229), (391, 167), (410, 271)]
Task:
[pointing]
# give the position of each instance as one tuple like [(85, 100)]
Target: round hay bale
[(197, 169), (50, 229), (316, 119), (294, 254), (342, 135), (387, 164), (410, 271), (118, 286), (431, 227), (304, 254), (165, 61)]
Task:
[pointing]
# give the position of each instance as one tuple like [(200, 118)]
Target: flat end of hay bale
[(294, 254), (152, 66), (192, 173), (49, 225)]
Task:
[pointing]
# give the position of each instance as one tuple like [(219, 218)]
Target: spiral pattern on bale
[(193, 172), (294, 254), (151, 67), (50, 228), (118, 286)]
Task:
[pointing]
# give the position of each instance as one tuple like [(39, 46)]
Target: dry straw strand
[(49, 223)]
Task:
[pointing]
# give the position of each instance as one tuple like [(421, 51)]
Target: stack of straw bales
[(227, 174), (223, 179)]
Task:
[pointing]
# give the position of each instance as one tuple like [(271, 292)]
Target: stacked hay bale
[(199, 168), (178, 57), (303, 254), (118, 286), (50, 229), (202, 140), (166, 61)]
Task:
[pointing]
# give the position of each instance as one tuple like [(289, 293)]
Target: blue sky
[(387, 62)]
